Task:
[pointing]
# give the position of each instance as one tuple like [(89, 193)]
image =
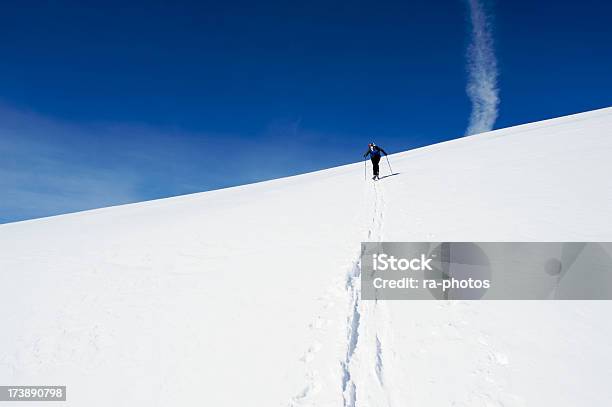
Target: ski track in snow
[(360, 317), (349, 389)]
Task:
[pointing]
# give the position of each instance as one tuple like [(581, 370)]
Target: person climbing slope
[(374, 152)]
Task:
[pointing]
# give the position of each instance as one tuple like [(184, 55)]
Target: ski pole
[(389, 164), (365, 169)]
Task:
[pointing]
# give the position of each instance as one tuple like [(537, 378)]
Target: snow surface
[(249, 296)]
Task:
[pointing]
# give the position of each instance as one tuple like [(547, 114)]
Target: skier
[(374, 151)]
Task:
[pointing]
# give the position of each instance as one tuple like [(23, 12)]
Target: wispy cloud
[(482, 71), (50, 166)]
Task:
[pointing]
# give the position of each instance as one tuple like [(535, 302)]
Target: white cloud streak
[(50, 166), (482, 72)]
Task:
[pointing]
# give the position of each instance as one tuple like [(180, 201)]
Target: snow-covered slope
[(248, 296)]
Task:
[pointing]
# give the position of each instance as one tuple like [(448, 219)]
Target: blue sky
[(127, 101)]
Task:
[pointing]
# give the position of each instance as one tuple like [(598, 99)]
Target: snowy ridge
[(250, 295)]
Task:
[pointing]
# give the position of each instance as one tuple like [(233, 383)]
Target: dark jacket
[(374, 151)]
